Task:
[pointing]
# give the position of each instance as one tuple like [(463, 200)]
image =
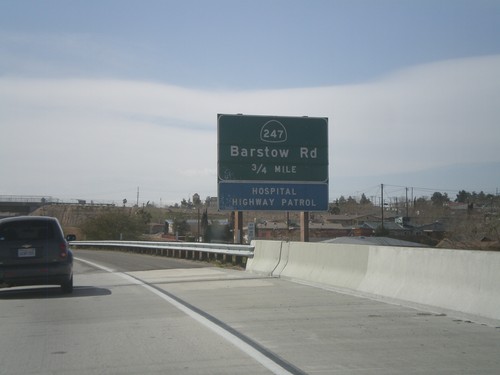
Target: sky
[(100, 100)]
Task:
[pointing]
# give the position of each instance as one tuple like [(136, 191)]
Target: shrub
[(114, 225)]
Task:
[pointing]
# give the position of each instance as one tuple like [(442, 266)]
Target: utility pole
[(382, 202), (406, 202), (137, 196), (412, 202)]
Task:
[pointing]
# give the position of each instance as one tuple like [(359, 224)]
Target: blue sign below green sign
[(253, 196)]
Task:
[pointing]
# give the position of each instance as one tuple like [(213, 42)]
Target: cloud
[(87, 137)]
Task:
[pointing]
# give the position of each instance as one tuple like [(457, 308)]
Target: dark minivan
[(33, 251)]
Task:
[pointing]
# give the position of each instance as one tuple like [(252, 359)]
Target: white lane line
[(268, 363), (95, 265)]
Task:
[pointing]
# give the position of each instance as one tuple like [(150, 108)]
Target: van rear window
[(27, 231)]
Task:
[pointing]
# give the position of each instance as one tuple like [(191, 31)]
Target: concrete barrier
[(457, 280), (451, 280), (339, 265), (285, 255), (266, 257)]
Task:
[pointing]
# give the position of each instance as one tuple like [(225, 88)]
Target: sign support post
[(304, 226), (238, 227)]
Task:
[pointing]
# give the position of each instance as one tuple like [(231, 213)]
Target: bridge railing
[(43, 199), (27, 199), (226, 253)]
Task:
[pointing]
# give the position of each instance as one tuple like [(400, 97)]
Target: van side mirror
[(70, 237)]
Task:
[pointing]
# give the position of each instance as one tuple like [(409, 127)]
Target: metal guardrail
[(236, 254)]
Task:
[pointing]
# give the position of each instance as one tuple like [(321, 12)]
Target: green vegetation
[(116, 225), (181, 227)]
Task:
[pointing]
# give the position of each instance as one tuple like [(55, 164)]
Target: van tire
[(67, 286)]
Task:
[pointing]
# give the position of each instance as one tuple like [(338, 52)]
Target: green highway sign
[(270, 148), (272, 163)]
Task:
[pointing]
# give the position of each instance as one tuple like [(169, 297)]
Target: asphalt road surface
[(139, 314)]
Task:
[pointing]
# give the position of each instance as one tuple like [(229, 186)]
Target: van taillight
[(63, 247)]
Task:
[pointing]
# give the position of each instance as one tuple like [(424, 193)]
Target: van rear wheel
[(67, 286)]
